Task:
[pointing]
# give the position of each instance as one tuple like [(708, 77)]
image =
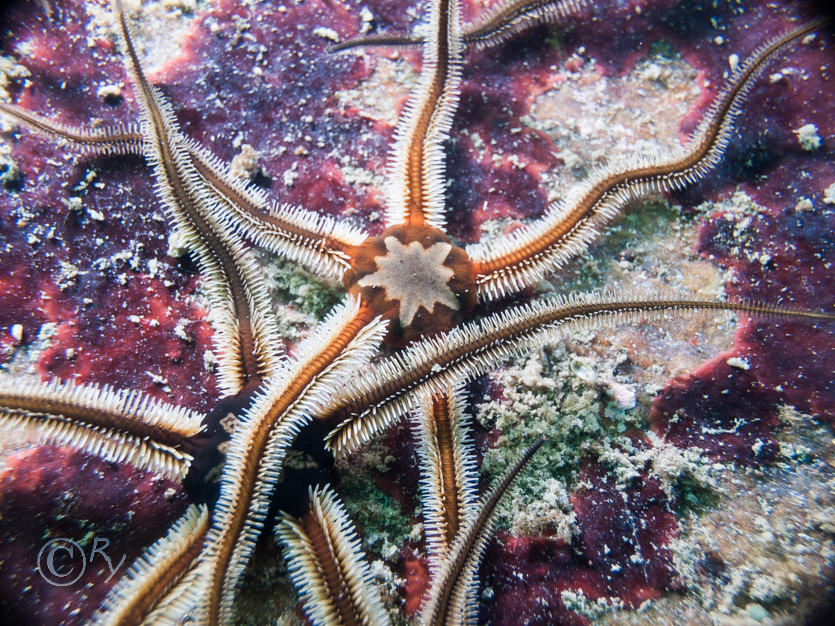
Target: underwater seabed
[(688, 474)]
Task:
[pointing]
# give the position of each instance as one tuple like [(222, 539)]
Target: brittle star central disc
[(414, 277)]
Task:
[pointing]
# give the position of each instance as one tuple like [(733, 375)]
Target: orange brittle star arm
[(164, 566), (117, 426), (392, 387), (202, 582), (567, 229), (449, 479), (299, 391), (318, 242), (416, 189), (327, 566), (322, 550)]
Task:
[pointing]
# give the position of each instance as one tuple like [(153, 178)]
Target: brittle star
[(410, 285)]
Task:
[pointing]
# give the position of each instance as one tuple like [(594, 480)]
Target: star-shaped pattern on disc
[(415, 276)]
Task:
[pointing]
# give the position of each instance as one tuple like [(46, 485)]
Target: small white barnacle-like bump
[(414, 277)]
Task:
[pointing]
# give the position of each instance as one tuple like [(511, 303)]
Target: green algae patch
[(577, 404), (633, 236), (693, 497), (373, 511), (292, 284), (663, 49)]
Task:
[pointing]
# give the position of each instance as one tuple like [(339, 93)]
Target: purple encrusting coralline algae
[(89, 291)]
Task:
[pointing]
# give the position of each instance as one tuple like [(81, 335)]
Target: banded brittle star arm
[(392, 387), (318, 242), (245, 333), (416, 186), (567, 229), (117, 426), (495, 25)]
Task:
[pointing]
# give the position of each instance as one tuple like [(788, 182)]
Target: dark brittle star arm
[(497, 24), (317, 242), (451, 599), (221, 210), (416, 187), (391, 388), (326, 564), (117, 426), (300, 390), (110, 140), (566, 230), (235, 284), (240, 309)]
